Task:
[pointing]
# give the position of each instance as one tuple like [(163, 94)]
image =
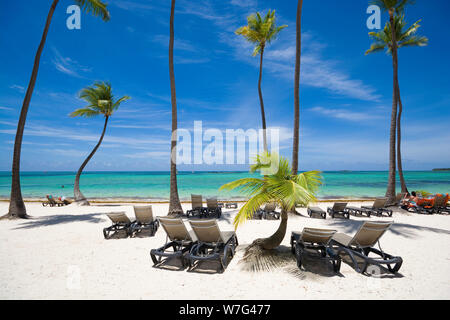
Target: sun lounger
[(315, 243), (144, 221), (231, 205), (377, 208), (338, 209), (434, 205), (316, 212), (212, 209), (361, 245), (120, 222), (268, 212), (212, 244), (197, 207), (181, 241), (442, 206), (50, 202), (59, 203)]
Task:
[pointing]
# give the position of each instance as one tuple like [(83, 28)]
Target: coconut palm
[(100, 102), (260, 32), (405, 37), (392, 7), (16, 206), (175, 208), (298, 43), (283, 187)]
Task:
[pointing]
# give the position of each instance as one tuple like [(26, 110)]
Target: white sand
[(61, 254)]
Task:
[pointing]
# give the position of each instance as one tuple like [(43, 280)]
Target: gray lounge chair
[(338, 209), (268, 212), (316, 212), (197, 207), (231, 205), (378, 207), (315, 243), (361, 245), (212, 244), (120, 222), (212, 209), (50, 201), (144, 221), (181, 241)]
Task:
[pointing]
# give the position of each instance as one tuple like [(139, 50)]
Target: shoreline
[(165, 201)]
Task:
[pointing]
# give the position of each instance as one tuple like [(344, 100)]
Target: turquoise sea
[(155, 185)]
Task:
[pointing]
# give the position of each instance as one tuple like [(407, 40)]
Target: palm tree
[(392, 7), (298, 45), (283, 187), (405, 37), (100, 102), (175, 208), (260, 32), (16, 205)]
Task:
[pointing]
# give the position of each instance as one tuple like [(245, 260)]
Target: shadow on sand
[(406, 230), (45, 221), (282, 259)]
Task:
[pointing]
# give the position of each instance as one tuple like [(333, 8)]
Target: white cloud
[(345, 114), (68, 66), (244, 3), (18, 88)]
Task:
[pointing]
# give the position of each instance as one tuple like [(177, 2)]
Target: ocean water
[(155, 185)]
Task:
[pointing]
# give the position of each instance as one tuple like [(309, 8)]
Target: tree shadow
[(406, 230), (46, 221), (282, 259)]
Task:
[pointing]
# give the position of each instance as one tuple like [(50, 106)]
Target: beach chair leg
[(298, 255)]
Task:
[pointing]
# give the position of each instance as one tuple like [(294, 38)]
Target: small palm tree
[(16, 205), (101, 102), (282, 187), (405, 37), (260, 32), (392, 7)]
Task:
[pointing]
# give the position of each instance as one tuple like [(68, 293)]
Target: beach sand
[(61, 254)]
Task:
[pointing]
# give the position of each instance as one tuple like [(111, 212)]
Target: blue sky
[(345, 95)]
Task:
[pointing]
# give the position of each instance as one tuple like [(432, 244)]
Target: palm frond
[(94, 7), (260, 31), (405, 37), (281, 187), (100, 100)]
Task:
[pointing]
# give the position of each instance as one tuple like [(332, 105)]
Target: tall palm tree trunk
[(298, 44), (263, 115), (399, 141), (390, 192), (175, 208), (80, 199), (16, 205)]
